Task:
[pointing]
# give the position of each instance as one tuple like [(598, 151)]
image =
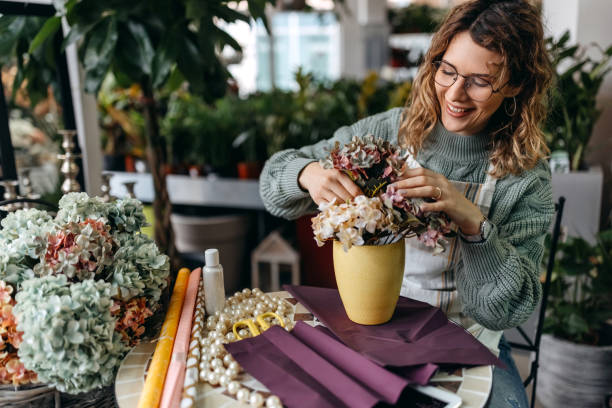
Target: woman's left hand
[(424, 183)]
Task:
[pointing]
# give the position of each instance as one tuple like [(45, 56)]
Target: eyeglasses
[(476, 87)]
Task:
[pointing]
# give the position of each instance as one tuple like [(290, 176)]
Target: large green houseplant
[(579, 75), (577, 350), (151, 43)]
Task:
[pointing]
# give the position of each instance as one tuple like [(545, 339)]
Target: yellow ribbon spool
[(250, 324)]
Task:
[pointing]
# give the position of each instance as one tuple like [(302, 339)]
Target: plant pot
[(573, 375), (248, 170), (369, 280)]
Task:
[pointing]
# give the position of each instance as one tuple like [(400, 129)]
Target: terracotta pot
[(249, 170), (369, 280)]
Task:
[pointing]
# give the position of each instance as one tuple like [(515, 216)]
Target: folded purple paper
[(308, 368), (418, 374), (417, 334)]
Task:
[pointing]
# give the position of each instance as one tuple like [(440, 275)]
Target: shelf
[(187, 190)]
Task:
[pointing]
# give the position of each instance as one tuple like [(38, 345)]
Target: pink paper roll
[(173, 385)]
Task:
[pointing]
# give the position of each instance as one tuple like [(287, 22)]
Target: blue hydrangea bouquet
[(75, 291)]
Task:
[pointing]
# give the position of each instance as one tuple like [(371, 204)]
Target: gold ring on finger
[(439, 193)]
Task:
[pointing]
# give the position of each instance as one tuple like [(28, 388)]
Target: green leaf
[(568, 52), (257, 10), (577, 325), (98, 53), (225, 38), (48, 29), (195, 10), (77, 31), (164, 60), (563, 39), (175, 80), (10, 30), (134, 57), (229, 15), (85, 12), (101, 43), (143, 50), (189, 60)]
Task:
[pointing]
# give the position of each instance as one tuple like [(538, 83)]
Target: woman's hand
[(324, 185), (424, 183)]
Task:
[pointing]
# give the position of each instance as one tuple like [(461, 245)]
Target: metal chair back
[(533, 343)]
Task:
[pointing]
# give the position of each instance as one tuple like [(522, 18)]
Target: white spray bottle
[(214, 288)]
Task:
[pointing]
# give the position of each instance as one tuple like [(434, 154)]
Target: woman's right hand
[(324, 185)]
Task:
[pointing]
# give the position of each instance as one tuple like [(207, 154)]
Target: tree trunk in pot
[(156, 154), (573, 375)]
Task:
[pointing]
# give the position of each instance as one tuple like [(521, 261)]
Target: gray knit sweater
[(497, 280)]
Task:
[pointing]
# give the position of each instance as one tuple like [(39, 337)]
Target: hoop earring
[(513, 110)]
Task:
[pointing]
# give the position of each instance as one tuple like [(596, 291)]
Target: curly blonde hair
[(514, 30)]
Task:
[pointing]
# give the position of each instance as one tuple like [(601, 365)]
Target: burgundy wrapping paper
[(417, 334), (418, 374), (327, 375)]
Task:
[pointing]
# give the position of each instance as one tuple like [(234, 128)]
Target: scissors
[(252, 325)]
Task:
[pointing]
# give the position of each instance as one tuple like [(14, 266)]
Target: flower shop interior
[(136, 252)]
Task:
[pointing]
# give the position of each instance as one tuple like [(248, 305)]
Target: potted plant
[(155, 45), (415, 18), (369, 231), (573, 110), (576, 354), (122, 125)]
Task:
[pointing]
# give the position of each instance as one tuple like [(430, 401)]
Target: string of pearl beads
[(217, 367)]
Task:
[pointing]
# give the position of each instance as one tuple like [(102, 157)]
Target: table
[(472, 385)]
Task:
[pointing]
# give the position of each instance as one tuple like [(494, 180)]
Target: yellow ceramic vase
[(369, 280)]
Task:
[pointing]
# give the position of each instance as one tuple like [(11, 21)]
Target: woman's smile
[(457, 111)]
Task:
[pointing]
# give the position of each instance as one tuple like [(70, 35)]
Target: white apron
[(431, 278)]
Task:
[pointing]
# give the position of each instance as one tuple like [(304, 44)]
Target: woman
[(473, 125)]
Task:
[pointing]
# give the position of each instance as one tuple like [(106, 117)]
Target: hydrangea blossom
[(23, 239), (138, 268), (131, 316), (383, 215), (123, 215), (12, 370), (127, 215), (77, 207), (86, 282), (78, 250), (369, 161), (69, 335), (357, 222)]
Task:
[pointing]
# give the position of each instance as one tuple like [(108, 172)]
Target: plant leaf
[(98, 53), (225, 38), (164, 60), (135, 55), (77, 31), (143, 52), (10, 30)]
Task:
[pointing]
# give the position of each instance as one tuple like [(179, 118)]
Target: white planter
[(582, 191), (573, 375), (226, 233)]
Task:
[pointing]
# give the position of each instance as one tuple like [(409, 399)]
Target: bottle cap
[(212, 257)]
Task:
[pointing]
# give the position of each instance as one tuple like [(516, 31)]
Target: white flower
[(350, 237)]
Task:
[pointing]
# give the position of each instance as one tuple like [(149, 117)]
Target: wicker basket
[(40, 395)]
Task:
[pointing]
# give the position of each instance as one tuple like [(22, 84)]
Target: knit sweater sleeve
[(499, 283), (278, 185)]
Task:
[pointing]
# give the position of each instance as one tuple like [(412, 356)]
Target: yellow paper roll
[(152, 391)]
